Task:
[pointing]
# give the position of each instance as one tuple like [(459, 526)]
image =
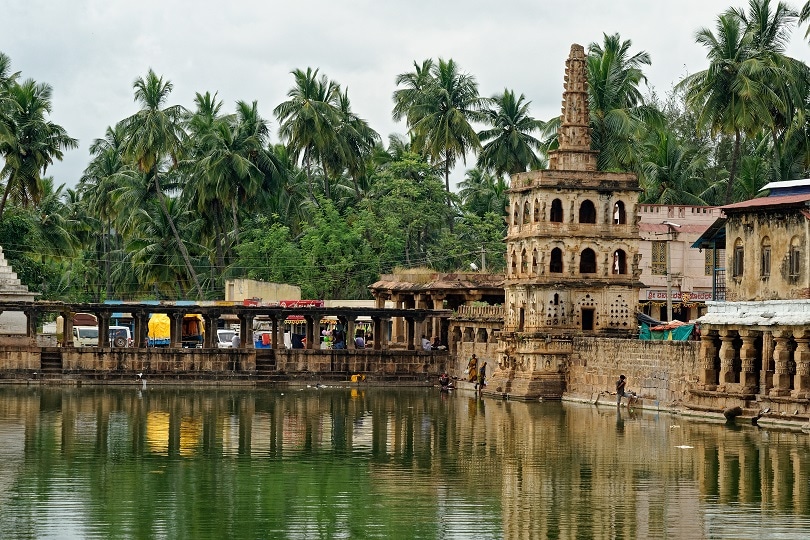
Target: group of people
[(476, 373), (435, 345)]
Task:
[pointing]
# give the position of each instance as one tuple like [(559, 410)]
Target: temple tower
[(572, 253)]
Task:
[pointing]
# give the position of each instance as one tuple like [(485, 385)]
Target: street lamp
[(671, 229)]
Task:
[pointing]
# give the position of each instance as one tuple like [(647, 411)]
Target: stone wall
[(662, 371)]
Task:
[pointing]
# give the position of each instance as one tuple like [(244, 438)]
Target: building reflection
[(549, 470)]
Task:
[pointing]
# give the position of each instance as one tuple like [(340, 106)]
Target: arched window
[(536, 211), (619, 215), (795, 258), (556, 299), (587, 261), (556, 211), (524, 262), (765, 257), (587, 212), (534, 262), (513, 264), (556, 265), (737, 267), (516, 216), (527, 213), (619, 262)]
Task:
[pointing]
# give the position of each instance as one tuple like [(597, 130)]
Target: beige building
[(237, 290), (667, 235), (757, 344)]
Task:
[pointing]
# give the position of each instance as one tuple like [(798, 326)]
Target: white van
[(225, 338), (85, 336), (120, 336)]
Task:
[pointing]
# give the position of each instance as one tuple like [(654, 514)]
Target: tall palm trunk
[(180, 244), (732, 173), (5, 197)]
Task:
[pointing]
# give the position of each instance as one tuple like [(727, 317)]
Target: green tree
[(440, 112), (31, 142), (618, 112), (307, 121), (154, 134), (730, 96), (509, 145), (481, 192)]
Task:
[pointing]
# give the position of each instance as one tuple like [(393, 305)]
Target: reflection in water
[(402, 463)]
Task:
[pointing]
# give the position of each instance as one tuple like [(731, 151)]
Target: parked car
[(85, 336), (225, 338), (120, 336)]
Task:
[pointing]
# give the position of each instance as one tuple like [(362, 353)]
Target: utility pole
[(483, 260), (671, 229)]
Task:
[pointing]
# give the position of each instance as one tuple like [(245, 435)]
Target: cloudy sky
[(91, 51)]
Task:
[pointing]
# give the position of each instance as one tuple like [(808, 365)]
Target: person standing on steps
[(621, 391), (482, 377)]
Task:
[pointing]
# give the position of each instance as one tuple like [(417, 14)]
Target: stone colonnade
[(770, 361), (381, 318), (407, 331)]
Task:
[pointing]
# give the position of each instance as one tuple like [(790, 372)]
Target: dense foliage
[(175, 201)]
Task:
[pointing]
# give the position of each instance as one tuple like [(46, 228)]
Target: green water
[(382, 463)]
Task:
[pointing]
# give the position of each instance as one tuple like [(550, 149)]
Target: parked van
[(225, 338), (120, 336), (85, 336)]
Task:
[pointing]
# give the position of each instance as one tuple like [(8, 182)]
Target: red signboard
[(300, 303)]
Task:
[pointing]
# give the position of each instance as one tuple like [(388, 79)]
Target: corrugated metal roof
[(762, 202)]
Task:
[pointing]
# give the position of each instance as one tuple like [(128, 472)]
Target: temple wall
[(662, 371)]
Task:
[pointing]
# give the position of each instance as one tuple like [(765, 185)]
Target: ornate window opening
[(536, 211), (619, 214), (708, 261), (658, 258), (534, 261), (527, 213), (524, 263), (587, 261), (556, 211), (587, 212), (795, 258), (738, 266), (556, 265), (765, 258), (619, 262), (516, 216)]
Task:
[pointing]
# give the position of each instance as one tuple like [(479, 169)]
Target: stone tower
[(572, 253)]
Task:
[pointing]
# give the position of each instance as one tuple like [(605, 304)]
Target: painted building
[(667, 235)]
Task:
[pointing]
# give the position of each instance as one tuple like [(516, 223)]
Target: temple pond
[(164, 462)]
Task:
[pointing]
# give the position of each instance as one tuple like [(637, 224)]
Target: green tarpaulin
[(678, 333)]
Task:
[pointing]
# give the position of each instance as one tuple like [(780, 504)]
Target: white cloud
[(91, 51)]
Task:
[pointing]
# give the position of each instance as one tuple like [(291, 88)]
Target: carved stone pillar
[(210, 338), (748, 355), (727, 354), (141, 329), (398, 323), (781, 356), (103, 329), (801, 382), (175, 330), (708, 354), (410, 333), (766, 375), (313, 337), (278, 333)]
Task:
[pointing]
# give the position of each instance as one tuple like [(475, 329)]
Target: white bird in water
[(139, 375)]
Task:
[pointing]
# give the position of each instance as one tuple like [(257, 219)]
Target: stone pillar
[(67, 336), (30, 322), (748, 355), (781, 356), (313, 337), (438, 303), (410, 334), (278, 333), (103, 329), (210, 330), (246, 331), (350, 331), (766, 375), (727, 354), (801, 382), (141, 329), (397, 328), (175, 330), (708, 354)]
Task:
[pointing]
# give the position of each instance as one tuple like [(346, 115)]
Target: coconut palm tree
[(481, 192), (617, 108), (307, 121), (31, 142), (672, 171), (153, 135), (509, 145), (6, 79), (439, 103), (730, 96)]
